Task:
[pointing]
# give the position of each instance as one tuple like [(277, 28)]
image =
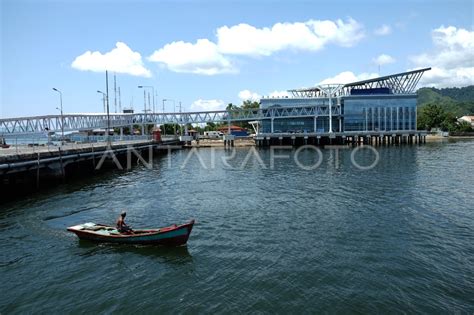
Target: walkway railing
[(74, 122)]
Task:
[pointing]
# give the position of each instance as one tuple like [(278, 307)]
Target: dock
[(30, 166)]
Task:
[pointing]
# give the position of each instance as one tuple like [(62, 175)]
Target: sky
[(206, 54)]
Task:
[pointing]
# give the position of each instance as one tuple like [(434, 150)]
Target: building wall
[(379, 113), (359, 113)]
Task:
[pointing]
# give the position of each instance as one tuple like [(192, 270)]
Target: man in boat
[(122, 227)]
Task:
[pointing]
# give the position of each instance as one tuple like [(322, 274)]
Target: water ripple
[(397, 238)]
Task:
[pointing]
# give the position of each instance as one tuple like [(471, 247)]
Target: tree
[(464, 126), (449, 123), (431, 116), (249, 104)]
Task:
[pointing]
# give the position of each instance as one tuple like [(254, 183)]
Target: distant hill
[(459, 101)]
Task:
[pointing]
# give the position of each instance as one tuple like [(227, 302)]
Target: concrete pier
[(25, 168), (338, 138)]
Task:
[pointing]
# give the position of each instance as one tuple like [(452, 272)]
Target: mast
[(115, 92)]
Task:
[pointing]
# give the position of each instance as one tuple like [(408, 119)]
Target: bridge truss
[(78, 122), (401, 83)]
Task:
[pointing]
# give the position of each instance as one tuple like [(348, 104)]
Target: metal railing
[(75, 122)]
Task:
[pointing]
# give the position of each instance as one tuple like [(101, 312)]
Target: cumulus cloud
[(383, 59), (203, 57), (442, 77), (121, 59), (383, 30), (312, 35), (247, 95), (279, 94), (452, 59), (348, 77), (207, 105), (212, 57)]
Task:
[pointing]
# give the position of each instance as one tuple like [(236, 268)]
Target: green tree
[(449, 122), (464, 126), (431, 116), (249, 104)]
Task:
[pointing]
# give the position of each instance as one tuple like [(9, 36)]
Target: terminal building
[(383, 107)]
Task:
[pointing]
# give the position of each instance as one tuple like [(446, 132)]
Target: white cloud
[(383, 59), (210, 58), (383, 30), (202, 57), (247, 95), (312, 35), (452, 59), (348, 77), (279, 94), (207, 105), (121, 59), (442, 77)]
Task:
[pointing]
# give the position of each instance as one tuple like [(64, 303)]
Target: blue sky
[(209, 53)]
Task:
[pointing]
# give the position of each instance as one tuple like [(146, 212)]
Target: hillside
[(459, 101)]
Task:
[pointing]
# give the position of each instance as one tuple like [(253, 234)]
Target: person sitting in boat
[(122, 227)]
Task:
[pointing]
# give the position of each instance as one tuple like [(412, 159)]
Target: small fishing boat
[(174, 235)]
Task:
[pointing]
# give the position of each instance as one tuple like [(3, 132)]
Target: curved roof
[(399, 83)]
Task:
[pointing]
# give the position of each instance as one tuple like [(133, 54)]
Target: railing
[(69, 122), (22, 144)]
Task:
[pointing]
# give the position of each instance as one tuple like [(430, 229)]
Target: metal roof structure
[(399, 83)]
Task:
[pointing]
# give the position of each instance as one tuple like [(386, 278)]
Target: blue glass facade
[(372, 113)]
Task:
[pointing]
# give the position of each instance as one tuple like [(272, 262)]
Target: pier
[(30, 166), (354, 138)]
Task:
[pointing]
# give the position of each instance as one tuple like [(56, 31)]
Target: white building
[(469, 119)]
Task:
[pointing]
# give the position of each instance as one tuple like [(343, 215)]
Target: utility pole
[(115, 92), (149, 101), (120, 100), (108, 113), (61, 109)]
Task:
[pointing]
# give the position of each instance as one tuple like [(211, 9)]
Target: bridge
[(398, 84), (77, 122)]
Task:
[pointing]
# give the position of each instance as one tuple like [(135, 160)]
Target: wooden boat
[(174, 235)]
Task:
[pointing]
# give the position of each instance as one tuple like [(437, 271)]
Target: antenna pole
[(115, 92)]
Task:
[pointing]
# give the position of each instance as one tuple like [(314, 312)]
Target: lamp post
[(106, 97), (153, 91), (103, 99), (61, 109)]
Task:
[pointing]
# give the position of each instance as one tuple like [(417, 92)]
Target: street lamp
[(103, 99), (61, 109), (106, 97), (153, 91)]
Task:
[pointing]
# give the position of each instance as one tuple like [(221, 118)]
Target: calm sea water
[(398, 237)]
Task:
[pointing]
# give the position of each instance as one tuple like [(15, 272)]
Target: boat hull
[(176, 235)]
